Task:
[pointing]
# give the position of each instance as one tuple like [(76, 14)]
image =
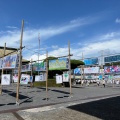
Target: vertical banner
[(24, 79), (5, 79), (58, 79), (42, 76), (15, 78), (31, 78), (37, 78), (65, 77), (1, 61)]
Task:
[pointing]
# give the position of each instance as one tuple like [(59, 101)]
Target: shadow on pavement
[(13, 94), (60, 91), (107, 109)]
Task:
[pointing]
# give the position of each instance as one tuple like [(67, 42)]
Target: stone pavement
[(59, 105)]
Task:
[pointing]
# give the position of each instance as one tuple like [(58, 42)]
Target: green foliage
[(76, 63), (51, 83)]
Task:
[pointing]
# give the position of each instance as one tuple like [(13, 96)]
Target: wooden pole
[(2, 69), (83, 66), (69, 68), (20, 63), (46, 75), (38, 52), (31, 73)]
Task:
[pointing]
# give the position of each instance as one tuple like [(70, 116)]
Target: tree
[(76, 63)]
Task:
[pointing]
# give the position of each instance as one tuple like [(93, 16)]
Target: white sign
[(24, 79), (43, 77), (5, 79), (65, 77), (37, 78), (15, 78), (59, 79), (91, 70)]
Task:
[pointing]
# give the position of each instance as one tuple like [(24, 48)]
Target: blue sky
[(90, 25)]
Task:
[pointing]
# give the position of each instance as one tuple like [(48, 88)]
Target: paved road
[(82, 105)]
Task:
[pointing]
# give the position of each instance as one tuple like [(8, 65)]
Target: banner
[(24, 79), (111, 69), (90, 61), (91, 70), (59, 64), (58, 79), (90, 77), (77, 71), (26, 68), (66, 77), (39, 66), (110, 59), (5, 79), (10, 61), (37, 78), (15, 78)]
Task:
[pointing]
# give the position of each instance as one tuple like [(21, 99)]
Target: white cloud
[(31, 35), (54, 46), (11, 27), (117, 20), (109, 43)]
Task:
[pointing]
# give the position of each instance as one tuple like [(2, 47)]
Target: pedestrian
[(103, 82), (98, 82)]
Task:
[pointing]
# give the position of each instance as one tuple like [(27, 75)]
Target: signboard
[(91, 70), (65, 77), (77, 71), (58, 79), (10, 61), (59, 64), (90, 61), (24, 79), (26, 68), (39, 66), (5, 79)]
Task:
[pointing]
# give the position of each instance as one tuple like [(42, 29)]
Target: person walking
[(103, 82)]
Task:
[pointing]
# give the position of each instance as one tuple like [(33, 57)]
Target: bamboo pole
[(2, 70), (46, 75), (20, 63), (31, 74), (69, 68)]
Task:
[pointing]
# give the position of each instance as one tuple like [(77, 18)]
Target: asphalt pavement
[(87, 102)]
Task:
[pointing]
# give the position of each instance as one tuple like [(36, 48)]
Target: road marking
[(41, 109)]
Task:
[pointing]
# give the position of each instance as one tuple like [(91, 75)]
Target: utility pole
[(69, 69), (2, 69), (20, 64), (38, 50)]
